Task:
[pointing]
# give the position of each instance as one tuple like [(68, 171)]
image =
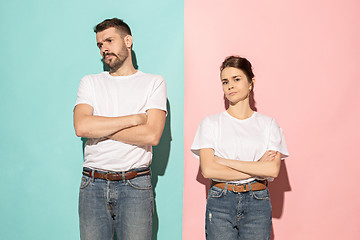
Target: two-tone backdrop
[(305, 56), (46, 48)]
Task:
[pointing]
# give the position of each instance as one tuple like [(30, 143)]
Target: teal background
[(46, 48)]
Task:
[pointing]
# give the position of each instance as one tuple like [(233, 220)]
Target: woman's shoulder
[(211, 120), (213, 117), (263, 117), (267, 120)]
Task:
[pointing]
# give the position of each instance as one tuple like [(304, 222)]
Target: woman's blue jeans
[(231, 215), (124, 207)]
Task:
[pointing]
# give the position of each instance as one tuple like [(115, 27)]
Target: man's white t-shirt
[(236, 139), (115, 96)]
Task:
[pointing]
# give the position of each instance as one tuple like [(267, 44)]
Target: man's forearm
[(138, 135), (97, 126), (146, 134)]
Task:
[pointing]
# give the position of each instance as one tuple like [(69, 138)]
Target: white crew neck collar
[(241, 120), (107, 74)]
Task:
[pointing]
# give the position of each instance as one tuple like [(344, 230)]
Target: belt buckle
[(240, 185), (107, 176), (233, 187)]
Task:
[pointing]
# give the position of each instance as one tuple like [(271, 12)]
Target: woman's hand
[(219, 160), (268, 156), (212, 168), (267, 166)]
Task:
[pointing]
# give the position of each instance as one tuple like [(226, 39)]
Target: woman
[(239, 151)]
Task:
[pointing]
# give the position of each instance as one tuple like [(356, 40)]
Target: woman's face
[(235, 84)]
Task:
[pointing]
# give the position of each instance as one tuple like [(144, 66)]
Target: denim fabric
[(231, 215), (124, 207)]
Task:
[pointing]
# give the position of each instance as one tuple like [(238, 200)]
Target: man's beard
[(115, 63)]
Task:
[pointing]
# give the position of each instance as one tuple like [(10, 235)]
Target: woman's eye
[(237, 79), (224, 83)]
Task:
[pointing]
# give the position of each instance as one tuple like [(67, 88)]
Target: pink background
[(306, 61)]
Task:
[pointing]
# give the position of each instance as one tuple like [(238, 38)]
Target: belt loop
[(123, 176), (92, 175), (226, 186), (250, 190)]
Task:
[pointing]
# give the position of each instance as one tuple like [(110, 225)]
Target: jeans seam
[(260, 198), (84, 183), (136, 187)]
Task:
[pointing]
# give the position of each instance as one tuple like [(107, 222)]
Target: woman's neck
[(241, 110)]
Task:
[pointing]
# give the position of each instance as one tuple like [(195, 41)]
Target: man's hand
[(143, 134), (141, 118), (90, 126)]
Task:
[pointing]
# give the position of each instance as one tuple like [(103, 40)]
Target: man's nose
[(104, 51)]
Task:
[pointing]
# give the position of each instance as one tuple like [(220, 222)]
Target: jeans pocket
[(261, 194), (85, 180), (215, 192), (141, 183)]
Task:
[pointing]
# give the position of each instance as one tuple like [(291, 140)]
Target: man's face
[(112, 48)]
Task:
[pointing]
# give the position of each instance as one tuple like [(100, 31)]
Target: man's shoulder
[(95, 76), (150, 77)]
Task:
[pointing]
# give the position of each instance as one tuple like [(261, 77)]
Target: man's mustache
[(109, 53)]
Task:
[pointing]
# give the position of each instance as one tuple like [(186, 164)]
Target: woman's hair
[(244, 65), (240, 63)]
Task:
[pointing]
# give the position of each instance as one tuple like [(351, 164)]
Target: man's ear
[(128, 39)]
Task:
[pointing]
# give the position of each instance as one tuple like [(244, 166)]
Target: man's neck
[(124, 71)]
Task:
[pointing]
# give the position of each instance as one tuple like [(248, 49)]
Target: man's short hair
[(114, 22)]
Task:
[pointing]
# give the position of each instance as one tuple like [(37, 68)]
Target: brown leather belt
[(256, 186), (110, 176)]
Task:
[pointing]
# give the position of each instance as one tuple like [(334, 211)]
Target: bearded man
[(122, 114)]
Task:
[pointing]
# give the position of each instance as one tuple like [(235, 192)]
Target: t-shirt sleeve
[(204, 137), (84, 94), (157, 98), (277, 140)]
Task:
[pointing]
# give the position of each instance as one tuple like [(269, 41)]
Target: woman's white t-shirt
[(245, 140)]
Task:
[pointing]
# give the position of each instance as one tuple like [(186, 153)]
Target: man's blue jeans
[(231, 215), (124, 207)]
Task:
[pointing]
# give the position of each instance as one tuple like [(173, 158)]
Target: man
[(122, 113)]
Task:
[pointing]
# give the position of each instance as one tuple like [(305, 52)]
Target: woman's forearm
[(214, 170), (259, 168)]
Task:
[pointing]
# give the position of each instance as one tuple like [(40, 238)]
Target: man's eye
[(237, 79), (224, 83)]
